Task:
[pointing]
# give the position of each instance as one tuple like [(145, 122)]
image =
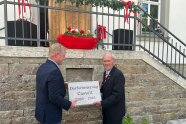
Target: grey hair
[(55, 48), (109, 53)]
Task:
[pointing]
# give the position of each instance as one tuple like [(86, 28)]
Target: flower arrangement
[(77, 39), (78, 33)]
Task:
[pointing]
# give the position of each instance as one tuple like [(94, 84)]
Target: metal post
[(134, 45), (5, 22), (38, 25)]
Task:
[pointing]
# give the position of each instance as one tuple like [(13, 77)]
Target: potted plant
[(77, 39)]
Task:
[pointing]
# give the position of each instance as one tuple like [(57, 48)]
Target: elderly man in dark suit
[(50, 89), (113, 92)]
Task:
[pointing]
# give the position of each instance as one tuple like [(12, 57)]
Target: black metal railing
[(49, 19), (42, 32), (162, 44)]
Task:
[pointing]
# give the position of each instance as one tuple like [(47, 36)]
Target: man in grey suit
[(113, 92), (50, 89)]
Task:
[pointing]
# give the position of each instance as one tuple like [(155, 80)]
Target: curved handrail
[(2, 28)]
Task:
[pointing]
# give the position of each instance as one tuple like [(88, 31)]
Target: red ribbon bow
[(101, 32), (127, 14)]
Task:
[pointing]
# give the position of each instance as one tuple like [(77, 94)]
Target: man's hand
[(97, 103), (73, 104)]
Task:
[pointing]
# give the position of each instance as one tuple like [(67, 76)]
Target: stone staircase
[(152, 90)]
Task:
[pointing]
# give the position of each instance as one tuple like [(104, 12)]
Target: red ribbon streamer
[(23, 4), (19, 8), (24, 7), (127, 14), (101, 32)]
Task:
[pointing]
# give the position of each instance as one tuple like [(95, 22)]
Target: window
[(152, 7), (155, 0)]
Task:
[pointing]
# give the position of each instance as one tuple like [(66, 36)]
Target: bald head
[(108, 61)]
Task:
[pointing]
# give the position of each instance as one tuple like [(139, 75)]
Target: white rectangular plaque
[(85, 93)]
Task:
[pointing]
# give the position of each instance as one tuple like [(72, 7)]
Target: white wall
[(1, 16), (2, 42), (177, 18)]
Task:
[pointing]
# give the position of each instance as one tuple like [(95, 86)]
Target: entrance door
[(59, 19)]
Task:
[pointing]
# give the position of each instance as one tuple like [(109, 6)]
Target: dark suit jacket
[(113, 95), (50, 93)]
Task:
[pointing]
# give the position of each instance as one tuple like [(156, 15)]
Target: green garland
[(115, 5)]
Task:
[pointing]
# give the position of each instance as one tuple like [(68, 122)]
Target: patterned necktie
[(106, 76)]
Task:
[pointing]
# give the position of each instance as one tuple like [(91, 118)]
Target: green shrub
[(129, 120), (144, 121)]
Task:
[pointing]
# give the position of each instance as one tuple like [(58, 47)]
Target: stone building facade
[(152, 91)]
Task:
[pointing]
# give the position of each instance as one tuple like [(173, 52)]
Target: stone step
[(179, 121)]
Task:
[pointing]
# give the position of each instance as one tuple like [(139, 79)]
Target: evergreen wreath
[(114, 4)]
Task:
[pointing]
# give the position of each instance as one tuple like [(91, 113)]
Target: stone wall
[(152, 91)]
